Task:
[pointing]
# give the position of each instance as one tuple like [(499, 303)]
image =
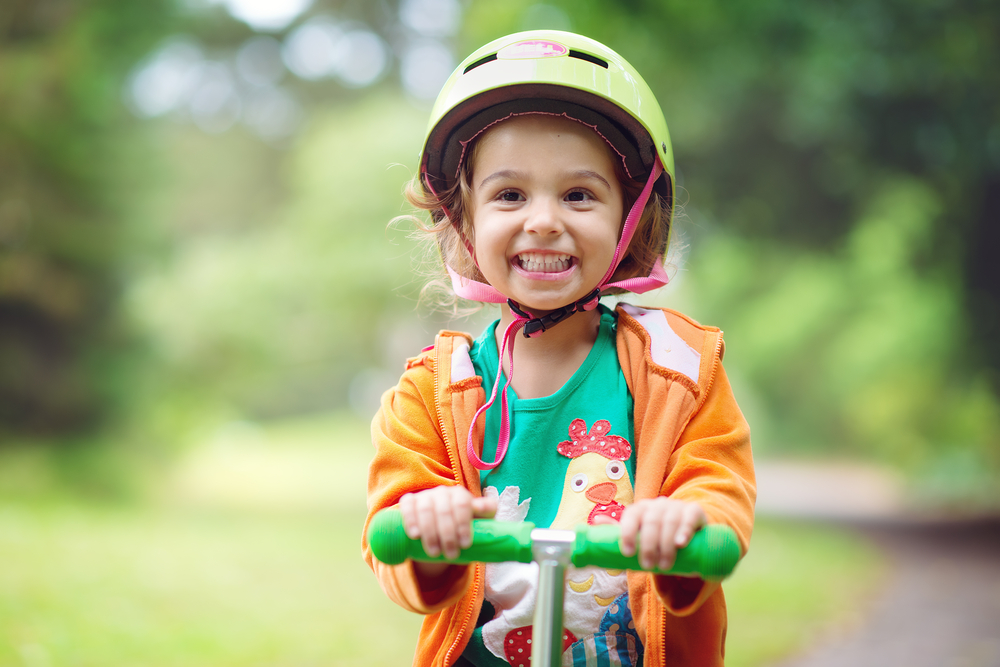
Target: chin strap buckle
[(534, 326)]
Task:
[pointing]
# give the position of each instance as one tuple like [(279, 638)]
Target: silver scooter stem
[(552, 550)]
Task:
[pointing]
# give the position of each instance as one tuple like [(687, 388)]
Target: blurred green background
[(201, 298)]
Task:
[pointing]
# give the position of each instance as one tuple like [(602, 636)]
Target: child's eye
[(510, 196), (579, 196)]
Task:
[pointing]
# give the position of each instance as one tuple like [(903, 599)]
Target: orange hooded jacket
[(692, 444)]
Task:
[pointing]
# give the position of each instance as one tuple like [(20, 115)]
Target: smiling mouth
[(537, 262)]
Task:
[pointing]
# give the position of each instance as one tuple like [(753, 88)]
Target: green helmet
[(548, 71)]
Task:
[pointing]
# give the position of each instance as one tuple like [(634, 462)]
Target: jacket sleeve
[(410, 455), (712, 465)]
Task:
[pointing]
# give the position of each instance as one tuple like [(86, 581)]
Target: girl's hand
[(442, 519), (663, 525)]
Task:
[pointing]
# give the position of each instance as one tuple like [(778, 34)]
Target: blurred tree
[(790, 114), (62, 232), (275, 317), (840, 171), (842, 97)]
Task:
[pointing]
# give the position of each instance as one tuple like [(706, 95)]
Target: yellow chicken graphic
[(596, 484), (596, 481)]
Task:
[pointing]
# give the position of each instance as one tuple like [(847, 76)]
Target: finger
[(427, 522), (649, 535), (484, 508), (447, 524), (692, 519), (408, 509), (629, 527), (461, 510), (660, 551), (665, 544)]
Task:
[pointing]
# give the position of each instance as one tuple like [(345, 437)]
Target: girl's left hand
[(663, 526)]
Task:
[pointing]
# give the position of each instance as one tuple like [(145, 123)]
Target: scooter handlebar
[(712, 553), (492, 541)]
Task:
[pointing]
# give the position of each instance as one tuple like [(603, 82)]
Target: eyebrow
[(513, 174), (503, 173), (586, 173)]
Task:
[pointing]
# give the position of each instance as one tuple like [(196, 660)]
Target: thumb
[(484, 508)]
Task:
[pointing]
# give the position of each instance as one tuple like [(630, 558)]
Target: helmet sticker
[(532, 48)]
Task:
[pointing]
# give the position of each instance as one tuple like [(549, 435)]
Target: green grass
[(89, 586), (216, 575), (797, 582)]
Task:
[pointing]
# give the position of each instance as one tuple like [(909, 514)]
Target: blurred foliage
[(840, 174), (840, 185), (276, 315), (852, 352), (63, 234), (789, 115)]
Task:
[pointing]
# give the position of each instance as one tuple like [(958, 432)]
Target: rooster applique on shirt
[(595, 607)]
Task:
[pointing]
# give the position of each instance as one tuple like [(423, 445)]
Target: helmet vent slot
[(482, 61), (582, 56)]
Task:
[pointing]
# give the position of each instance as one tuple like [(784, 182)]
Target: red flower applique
[(596, 440), (517, 645)]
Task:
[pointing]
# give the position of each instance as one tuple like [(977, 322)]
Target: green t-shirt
[(569, 458), (537, 425)]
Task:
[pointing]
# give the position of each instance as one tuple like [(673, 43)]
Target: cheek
[(609, 234), (489, 243)]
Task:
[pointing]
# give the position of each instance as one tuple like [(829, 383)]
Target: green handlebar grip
[(712, 552), (492, 541)]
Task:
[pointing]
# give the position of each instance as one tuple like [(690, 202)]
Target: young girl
[(547, 171)]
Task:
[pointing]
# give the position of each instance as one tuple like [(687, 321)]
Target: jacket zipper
[(455, 468), (715, 365), (437, 408), (468, 617), (663, 635), (708, 388)]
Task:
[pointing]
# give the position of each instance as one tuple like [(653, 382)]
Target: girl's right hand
[(442, 519)]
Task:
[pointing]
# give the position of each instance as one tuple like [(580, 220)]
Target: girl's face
[(546, 210)]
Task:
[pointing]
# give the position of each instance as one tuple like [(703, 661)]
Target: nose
[(543, 217)]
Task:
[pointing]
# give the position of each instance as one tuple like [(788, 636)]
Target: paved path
[(940, 604), (939, 608)]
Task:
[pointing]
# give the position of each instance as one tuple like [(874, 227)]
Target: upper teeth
[(536, 261)]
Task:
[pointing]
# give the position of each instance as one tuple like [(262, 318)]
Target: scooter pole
[(552, 549)]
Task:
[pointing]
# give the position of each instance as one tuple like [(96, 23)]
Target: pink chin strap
[(532, 326)]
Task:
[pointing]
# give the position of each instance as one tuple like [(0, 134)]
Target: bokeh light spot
[(267, 15), (433, 18), (365, 58), (258, 62), (215, 104), (425, 67), (164, 81), (315, 49)]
